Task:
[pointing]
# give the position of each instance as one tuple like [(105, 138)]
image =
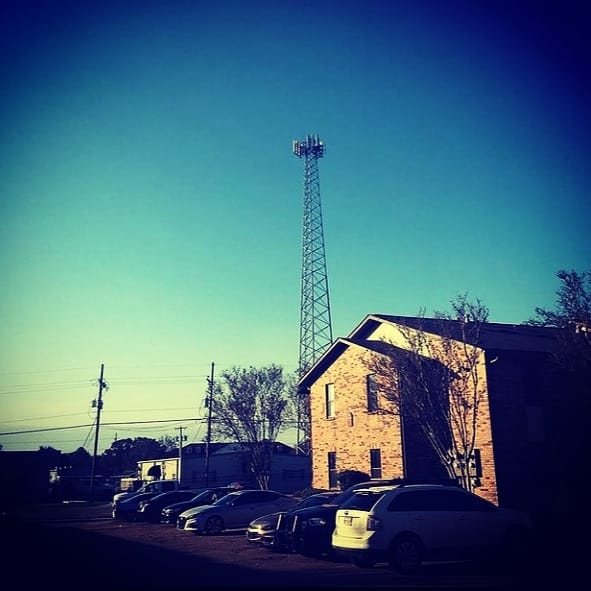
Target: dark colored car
[(127, 508), (206, 496), (308, 531), (261, 530), (150, 509)]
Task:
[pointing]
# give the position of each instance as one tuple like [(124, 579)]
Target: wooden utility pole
[(181, 439), (208, 439), (99, 406)]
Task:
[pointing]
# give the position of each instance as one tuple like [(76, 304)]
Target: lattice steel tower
[(315, 320)]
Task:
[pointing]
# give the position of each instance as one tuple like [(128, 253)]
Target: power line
[(287, 423), (102, 424), (72, 414)]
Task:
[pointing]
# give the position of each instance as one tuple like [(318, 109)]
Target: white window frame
[(329, 400)]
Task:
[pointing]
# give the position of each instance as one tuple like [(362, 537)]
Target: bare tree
[(298, 414), (249, 407), (432, 377)]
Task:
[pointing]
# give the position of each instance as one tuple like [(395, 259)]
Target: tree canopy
[(123, 455), (572, 314), (249, 406), (573, 301)]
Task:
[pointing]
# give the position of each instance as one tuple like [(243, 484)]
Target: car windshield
[(362, 500), (341, 497), (204, 494), (349, 492), (313, 501)]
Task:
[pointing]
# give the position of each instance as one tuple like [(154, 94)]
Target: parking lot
[(80, 546)]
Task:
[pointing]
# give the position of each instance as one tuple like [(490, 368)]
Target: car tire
[(405, 554), (279, 546), (214, 525)]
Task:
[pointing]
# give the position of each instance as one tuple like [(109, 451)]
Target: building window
[(372, 393), (351, 419), (332, 469), (375, 459), (329, 400)]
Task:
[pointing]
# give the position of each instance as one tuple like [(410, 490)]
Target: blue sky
[(150, 204)]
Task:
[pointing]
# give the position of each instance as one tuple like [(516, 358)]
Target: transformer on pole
[(315, 319)]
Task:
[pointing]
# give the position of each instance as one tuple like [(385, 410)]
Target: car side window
[(260, 496), (420, 500), (459, 500), (408, 501), (246, 498), (476, 503), (438, 500)]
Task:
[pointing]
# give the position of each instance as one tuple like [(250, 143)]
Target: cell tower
[(315, 320)]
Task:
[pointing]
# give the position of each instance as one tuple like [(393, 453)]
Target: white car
[(405, 525), (234, 511)]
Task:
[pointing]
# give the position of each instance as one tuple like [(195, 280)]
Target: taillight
[(373, 523)]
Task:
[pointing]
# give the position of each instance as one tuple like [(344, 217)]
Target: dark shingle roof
[(493, 336)]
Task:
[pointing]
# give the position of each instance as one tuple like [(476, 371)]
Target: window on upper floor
[(329, 400), (372, 393)]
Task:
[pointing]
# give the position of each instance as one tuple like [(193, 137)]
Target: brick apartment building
[(520, 438)]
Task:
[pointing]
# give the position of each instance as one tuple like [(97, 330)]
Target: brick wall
[(351, 442), (353, 431)]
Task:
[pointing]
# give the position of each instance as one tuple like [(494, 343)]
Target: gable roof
[(493, 336)]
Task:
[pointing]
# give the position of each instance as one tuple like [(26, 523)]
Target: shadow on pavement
[(65, 558)]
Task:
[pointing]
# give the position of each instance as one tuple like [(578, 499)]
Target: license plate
[(347, 521)]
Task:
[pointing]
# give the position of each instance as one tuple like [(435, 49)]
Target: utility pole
[(209, 400), (99, 405), (181, 438)]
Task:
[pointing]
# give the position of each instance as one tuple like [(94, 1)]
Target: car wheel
[(214, 525), (279, 545), (406, 554)]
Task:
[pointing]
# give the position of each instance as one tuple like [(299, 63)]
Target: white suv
[(405, 525)]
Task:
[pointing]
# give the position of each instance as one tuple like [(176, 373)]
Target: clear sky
[(151, 206)]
